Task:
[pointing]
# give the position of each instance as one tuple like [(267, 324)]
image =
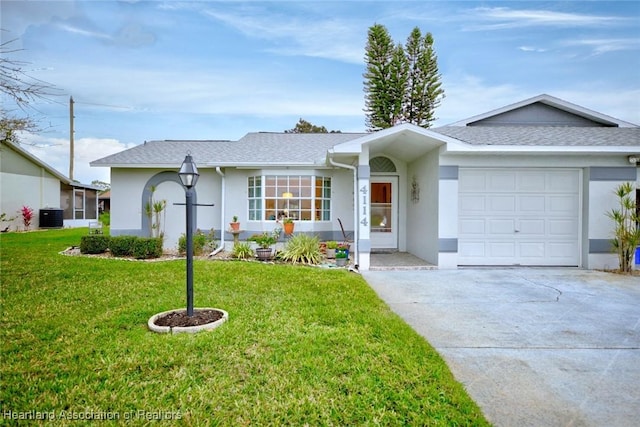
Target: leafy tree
[(19, 88), (104, 186), (402, 83), (304, 126)]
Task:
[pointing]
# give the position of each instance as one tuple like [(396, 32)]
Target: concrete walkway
[(533, 347)]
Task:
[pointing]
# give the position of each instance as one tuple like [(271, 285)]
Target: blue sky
[(144, 70)]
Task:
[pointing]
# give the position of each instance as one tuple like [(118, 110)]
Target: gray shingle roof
[(299, 149), (544, 136), (256, 148)]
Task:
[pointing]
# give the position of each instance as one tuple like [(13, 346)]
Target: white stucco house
[(527, 184), (56, 200)]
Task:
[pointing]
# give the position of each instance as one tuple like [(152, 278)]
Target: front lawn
[(302, 345)]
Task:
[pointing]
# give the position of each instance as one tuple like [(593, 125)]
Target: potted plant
[(331, 248), (264, 242), (288, 225), (234, 224), (341, 257), (343, 247)]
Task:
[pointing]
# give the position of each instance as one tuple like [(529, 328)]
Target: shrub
[(302, 248), (105, 218), (27, 216), (94, 244), (201, 242), (122, 245), (147, 247), (264, 240), (242, 251)]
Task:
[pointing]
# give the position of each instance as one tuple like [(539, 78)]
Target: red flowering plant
[(27, 216)]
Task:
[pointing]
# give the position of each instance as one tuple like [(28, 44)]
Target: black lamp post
[(189, 177)]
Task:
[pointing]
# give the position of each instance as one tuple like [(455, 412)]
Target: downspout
[(355, 205), (221, 247)]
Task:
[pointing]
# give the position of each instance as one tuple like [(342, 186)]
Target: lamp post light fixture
[(188, 175)]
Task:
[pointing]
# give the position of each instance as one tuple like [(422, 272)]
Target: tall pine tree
[(379, 99), (402, 83)]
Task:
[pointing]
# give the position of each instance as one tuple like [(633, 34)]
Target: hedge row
[(137, 247)]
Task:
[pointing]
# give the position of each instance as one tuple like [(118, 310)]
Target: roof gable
[(543, 110), (49, 169)]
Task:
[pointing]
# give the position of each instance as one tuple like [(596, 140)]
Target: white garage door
[(519, 217)]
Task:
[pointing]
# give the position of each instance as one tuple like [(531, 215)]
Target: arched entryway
[(167, 187)]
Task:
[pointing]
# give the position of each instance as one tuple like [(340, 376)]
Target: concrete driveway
[(533, 347)]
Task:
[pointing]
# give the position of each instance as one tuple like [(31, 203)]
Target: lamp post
[(189, 177)]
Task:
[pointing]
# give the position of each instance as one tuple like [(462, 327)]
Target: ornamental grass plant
[(303, 346)]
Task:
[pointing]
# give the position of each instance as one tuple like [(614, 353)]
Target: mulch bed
[(180, 319)]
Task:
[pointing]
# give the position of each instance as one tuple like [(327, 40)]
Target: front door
[(384, 212)]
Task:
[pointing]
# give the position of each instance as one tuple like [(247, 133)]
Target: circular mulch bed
[(177, 321), (180, 318)]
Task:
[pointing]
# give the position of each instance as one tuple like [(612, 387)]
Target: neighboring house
[(26, 180), (528, 184), (104, 201)]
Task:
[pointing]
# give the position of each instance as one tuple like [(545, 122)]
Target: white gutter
[(355, 207), (221, 247)]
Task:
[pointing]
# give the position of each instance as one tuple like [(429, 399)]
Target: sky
[(148, 70)]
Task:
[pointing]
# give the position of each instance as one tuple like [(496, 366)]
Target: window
[(255, 198), (303, 198)]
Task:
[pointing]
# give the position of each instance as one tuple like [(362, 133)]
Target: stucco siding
[(126, 190), (423, 215), (127, 205), (23, 183), (601, 199)]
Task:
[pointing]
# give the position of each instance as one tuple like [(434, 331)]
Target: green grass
[(303, 346)]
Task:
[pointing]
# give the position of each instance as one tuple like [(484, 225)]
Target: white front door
[(384, 212)]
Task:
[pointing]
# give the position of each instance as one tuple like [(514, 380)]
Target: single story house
[(104, 201), (528, 184), (25, 180)]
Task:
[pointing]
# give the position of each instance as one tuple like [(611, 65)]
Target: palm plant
[(626, 226)]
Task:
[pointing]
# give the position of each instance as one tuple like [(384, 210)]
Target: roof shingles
[(544, 135), (298, 149), (253, 149)]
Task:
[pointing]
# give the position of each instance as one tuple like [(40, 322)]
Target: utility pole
[(71, 144)]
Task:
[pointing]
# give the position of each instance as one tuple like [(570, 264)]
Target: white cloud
[(531, 49), (621, 104), (17, 16), (55, 152), (182, 90), (467, 96), (85, 33), (331, 38), (500, 18), (605, 45)]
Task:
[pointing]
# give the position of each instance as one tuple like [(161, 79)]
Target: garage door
[(519, 217)]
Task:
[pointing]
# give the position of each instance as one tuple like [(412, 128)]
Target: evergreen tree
[(402, 84), (377, 84)]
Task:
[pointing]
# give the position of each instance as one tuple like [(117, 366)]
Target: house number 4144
[(364, 190)]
